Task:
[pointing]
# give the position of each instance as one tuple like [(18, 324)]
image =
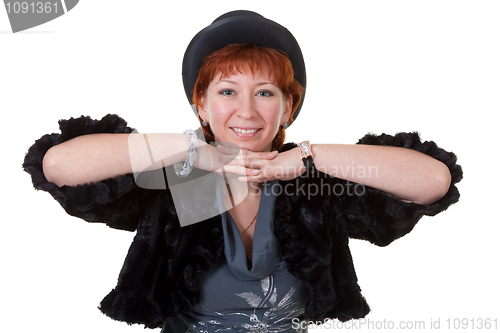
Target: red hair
[(239, 57)]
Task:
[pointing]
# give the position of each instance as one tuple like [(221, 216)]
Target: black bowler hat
[(236, 27)]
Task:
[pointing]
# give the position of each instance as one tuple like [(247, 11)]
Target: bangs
[(244, 58)]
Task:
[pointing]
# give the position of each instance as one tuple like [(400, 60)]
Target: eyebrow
[(236, 83), (228, 81)]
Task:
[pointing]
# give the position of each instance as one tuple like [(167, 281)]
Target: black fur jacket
[(159, 276)]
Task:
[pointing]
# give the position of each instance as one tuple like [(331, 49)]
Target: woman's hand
[(264, 166), (230, 160)]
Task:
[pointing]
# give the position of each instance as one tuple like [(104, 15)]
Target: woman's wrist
[(306, 155)]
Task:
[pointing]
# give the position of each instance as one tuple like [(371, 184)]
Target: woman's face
[(245, 109)]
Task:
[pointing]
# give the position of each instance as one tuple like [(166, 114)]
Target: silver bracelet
[(182, 169)]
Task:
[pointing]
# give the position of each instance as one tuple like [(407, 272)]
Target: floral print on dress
[(277, 318)]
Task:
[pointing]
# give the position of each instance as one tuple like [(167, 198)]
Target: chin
[(252, 147), (260, 149), (247, 146)]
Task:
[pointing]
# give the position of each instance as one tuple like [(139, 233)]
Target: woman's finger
[(232, 152), (252, 178), (251, 156), (238, 170), (249, 163), (263, 155)]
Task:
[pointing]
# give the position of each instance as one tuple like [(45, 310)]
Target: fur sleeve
[(380, 218), (116, 201)]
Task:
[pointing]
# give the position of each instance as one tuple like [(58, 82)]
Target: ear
[(201, 108), (287, 109)]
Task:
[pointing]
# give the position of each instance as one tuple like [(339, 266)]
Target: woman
[(279, 254)]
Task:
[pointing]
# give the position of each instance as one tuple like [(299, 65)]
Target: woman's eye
[(227, 92), (265, 93)]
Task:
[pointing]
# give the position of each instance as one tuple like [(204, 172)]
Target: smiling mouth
[(245, 131)]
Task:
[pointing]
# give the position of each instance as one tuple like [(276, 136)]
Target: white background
[(372, 66)]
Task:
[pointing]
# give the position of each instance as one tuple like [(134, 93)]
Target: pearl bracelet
[(182, 169)]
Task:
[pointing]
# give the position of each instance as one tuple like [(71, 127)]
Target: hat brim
[(247, 28)]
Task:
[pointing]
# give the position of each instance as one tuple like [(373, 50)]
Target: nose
[(246, 107)]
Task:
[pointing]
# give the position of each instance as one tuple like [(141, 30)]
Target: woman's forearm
[(404, 173), (94, 157)]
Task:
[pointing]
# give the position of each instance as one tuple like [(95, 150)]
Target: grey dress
[(242, 296)]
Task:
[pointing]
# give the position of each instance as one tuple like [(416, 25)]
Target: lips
[(245, 132)]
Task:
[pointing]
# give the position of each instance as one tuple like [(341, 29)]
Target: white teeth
[(242, 131)]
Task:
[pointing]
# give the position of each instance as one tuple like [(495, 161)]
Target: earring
[(204, 123), (285, 126)]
